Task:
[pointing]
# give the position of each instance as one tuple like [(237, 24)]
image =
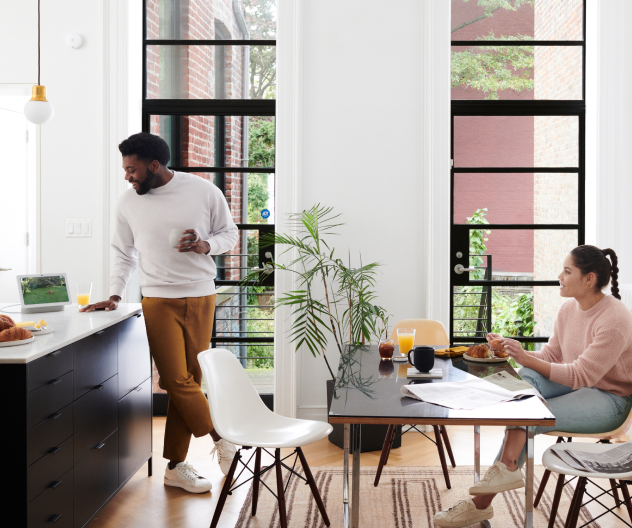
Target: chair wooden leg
[(280, 489), (384, 455), (312, 485), (556, 499), (446, 441), (390, 443), (615, 492), (576, 504), (544, 481), (444, 465), (626, 497), (225, 488), (255, 481)]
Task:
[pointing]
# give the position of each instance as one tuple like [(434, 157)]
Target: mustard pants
[(177, 331)]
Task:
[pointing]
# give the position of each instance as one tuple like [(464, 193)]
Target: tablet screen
[(43, 290)]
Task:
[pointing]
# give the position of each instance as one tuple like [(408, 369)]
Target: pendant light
[(38, 110)]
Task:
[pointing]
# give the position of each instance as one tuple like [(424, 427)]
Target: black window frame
[(459, 233), (220, 108)]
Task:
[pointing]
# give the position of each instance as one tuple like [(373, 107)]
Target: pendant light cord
[(38, 43)]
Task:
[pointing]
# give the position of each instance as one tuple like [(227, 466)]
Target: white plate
[(43, 331), (16, 343), (485, 360)]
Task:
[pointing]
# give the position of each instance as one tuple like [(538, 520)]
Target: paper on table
[(615, 460), (468, 394), (507, 381)]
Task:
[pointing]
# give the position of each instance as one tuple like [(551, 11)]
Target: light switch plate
[(78, 228)]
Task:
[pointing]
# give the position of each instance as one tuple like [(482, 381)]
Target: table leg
[(477, 453), (528, 520), (345, 479), (355, 476)]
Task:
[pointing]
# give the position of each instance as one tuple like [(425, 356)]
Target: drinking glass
[(386, 348), (84, 289), (406, 340)]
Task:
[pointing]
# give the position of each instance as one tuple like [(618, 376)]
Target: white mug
[(177, 234)]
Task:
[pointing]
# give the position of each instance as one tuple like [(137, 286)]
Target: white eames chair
[(240, 417), (553, 463)]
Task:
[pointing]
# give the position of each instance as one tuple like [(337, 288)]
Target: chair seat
[(275, 431), (553, 463)]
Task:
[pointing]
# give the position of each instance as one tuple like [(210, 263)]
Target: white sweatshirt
[(141, 236)]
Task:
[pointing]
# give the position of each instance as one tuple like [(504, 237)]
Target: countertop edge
[(70, 341)]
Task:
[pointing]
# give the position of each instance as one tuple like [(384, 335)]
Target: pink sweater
[(592, 348)]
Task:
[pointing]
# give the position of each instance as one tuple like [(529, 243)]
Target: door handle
[(459, 269), (5, 269)]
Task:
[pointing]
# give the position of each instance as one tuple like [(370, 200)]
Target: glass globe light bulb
[(39, 110)]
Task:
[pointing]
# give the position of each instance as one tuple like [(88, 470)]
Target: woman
[(584, 373)]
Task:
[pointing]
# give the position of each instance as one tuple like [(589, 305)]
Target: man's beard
[(146, 185)]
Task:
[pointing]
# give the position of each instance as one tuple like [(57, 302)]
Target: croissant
[(479, 351), (15, 334), (498, 349), (6, 322)]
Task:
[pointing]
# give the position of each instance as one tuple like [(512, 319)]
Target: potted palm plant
[(332, 300)]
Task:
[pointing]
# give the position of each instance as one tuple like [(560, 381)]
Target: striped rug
[(407, 497)]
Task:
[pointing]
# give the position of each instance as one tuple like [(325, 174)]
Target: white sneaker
[(186, 477), (225, 452), (462, 514), (497, 479)]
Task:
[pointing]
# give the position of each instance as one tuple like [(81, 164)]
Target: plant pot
[(372, 435)]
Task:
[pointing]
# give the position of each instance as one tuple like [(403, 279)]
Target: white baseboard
[(315, 412)]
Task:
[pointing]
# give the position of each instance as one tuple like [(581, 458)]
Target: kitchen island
[(77, 409)]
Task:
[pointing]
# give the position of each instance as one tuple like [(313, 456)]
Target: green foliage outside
[(491, 69), (477, 242)]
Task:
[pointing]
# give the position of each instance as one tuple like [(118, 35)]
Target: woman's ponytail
[(614, 272), (591, 259)]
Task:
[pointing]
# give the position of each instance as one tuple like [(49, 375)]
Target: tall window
[(518, 169), (209, 89)]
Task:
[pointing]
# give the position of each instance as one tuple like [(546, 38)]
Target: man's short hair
[(146, 147)]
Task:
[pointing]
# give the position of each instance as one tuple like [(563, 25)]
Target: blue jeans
[(586, 410)]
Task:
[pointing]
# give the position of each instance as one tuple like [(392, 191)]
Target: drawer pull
[(101, 332), (138, 316), (99, 387), (54, 416), (54, 484), (139, 388), (55, 381), (54, 354), (54, 450), (54, 518), (100, 446)]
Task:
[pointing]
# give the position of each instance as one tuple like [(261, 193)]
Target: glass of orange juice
[(406, 340), (84, 289)]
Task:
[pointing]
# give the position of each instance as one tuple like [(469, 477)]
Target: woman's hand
[(515, 350), (490, 337)]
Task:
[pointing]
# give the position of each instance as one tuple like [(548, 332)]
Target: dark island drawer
[(134, 362), (94, 360), (48, 399), (48, 468), (51, 366), (96, 416), (54, 507), (134, 429), (48, 434), (96, 479)]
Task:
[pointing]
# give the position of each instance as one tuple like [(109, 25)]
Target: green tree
[(477, 242), (260, 18), (494, 68)]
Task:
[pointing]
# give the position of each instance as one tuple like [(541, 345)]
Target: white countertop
[(69, 326)]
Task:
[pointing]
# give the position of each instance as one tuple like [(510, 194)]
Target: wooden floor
[(147, 503)]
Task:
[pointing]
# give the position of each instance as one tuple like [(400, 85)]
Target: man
[(177, 285)]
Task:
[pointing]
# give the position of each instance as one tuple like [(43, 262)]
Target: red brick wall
[(557, 76)]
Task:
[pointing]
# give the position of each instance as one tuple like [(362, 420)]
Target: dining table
[(367, 390)]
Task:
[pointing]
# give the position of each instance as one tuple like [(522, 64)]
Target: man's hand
[(186, 244), (109, 305), (491, 337)]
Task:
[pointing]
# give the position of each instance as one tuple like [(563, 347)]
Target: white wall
[(363, 151), (79, 165)]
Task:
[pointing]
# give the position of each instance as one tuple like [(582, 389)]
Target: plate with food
[(492, 353), (12, 335), (37, 329)]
